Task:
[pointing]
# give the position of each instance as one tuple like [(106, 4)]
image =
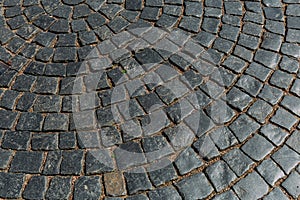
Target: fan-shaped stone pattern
[(255, 46)]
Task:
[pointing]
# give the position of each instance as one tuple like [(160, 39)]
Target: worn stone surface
[(154, 99)]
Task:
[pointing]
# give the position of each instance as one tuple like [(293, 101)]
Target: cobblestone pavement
[(194, 99)]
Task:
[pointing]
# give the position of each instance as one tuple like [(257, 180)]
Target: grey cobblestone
[(171, 67)]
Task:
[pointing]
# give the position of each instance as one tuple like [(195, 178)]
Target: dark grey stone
[(150, 13), (129, 154), (44, 141), (71, 85), (220, 174), (252, 29), (293, 141), (24, 83), (20, 162), (87, 187), (59, 188), (63, 54), (251, 187), (234, 63), (284, 118), (16, 140), (281, 79), (286, 158), (257, 147), (204, 38), (188, 190), (164, 193), (52, 165), (223, 138), (11, 184), (275, 194), (118, 24), (260, 110), (290, 49), (36, 188), (274, 13), (291, 184), (67, 140), (234, 8), (30, 122), (210, 25), (229, 32), (270, 171), (46, 85), (271, 94), (248, 41), (275, 27), (47, 103), (43, 21), (162, 175), (98, 161), (289, 64), (8, 99), (72, 162), (243, 126), (110, 136), (238, 99), (79, 25), (258, 71), (250, 85), (237, 161), (272, 41), (137, 180), (5, 156), (134, 5), (156, 147), (275, 134)]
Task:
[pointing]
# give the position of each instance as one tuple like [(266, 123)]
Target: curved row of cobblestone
[(154, 99)]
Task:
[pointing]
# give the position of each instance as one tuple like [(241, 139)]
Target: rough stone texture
[(153, 99), (251, 187)]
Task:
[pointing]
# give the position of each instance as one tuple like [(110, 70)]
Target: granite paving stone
[(59, 188), (87, 187), (11, 185), (258, 187), (20, 162), (286, 158), (238, 161), (36, 188), (153, 99), (276, 193), (220, 174), (270, 171), (201, 190), (137, 181), (164, 193), (291, 184)]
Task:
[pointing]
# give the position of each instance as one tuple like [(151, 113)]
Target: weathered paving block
[(87, 187), (286, 158), (220, 174), (270, 171), (238, 161), (20, 162), (16, 140), (251, 187), (11, 185), (137, 181), (59, 188), (36, 188), (194, 186), (211, 86)]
